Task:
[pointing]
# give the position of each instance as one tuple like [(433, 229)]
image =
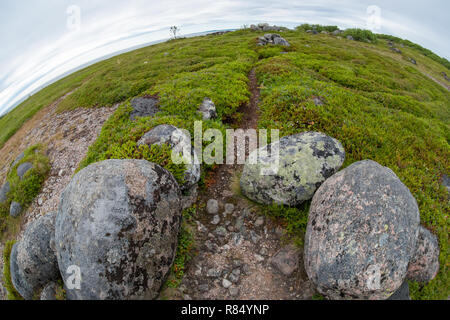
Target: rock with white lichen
[(306, 160), (118, 222)]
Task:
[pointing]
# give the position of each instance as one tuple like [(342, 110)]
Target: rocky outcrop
[(305, 161), (264, 27), (272, 38), (362, 232), (176, 139), (144, 107), (208, 109), (33, 259), (118, 222), (424, 265)]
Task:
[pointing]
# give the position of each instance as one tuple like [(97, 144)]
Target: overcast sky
[(43, 39)]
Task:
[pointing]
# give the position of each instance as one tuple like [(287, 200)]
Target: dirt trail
[(237, 243)]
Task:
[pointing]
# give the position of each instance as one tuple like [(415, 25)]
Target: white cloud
[(111, 26)]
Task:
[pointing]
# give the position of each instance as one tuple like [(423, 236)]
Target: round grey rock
[(424, 265), (212, 206), (17, 160), (15, 209), (4, 191), (118, 222), (305, 161), (33, 259), (144, 107), (208, 109), (178, 141), (23, 168), (362, 231)]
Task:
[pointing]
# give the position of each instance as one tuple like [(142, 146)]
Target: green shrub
[(318, 27), (361, 35), (12, 292)]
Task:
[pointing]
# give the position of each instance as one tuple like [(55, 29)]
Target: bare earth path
[(237, 244)]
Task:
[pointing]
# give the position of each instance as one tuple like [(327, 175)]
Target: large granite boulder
[(175, 139), (362, 231), (424, 265), (305, 161), (117, 225), (33, 258), (4, 191)]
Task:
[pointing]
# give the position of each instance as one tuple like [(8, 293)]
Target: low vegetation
[(375, 101), (23, 190)]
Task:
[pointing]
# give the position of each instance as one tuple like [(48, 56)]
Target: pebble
[(259, 222), (215, 220), (212, 206), (226, 284), (229, 208), (259, 258), (233, 291)]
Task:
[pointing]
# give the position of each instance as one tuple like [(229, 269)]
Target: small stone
[(215, 220), (259, 222), (233, 277), (15, 209), (286, 260), (226, 284), (213, 273), (203, 287), (40, 201), (212, 206), (207, 109), (229, 208), (258, 257), (187, 297), (201, 227), (220, 231), (233, 291), (239, 223), (61, 172)]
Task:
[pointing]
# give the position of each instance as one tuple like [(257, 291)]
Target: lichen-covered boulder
[(117, 225), (362, 231), (4, 191), (305, 161), (208, 109), (23, 168), (144, 107), (33, 258), (178, 140), (424, 265), (15, 209)]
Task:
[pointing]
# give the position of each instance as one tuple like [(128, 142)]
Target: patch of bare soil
[(235, 247)]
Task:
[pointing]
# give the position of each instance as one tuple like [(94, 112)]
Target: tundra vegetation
[(377, 103)]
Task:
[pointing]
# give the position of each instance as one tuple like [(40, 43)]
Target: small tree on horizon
[(174, 31)]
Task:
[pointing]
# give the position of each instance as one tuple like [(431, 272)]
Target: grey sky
[(37, 46)]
